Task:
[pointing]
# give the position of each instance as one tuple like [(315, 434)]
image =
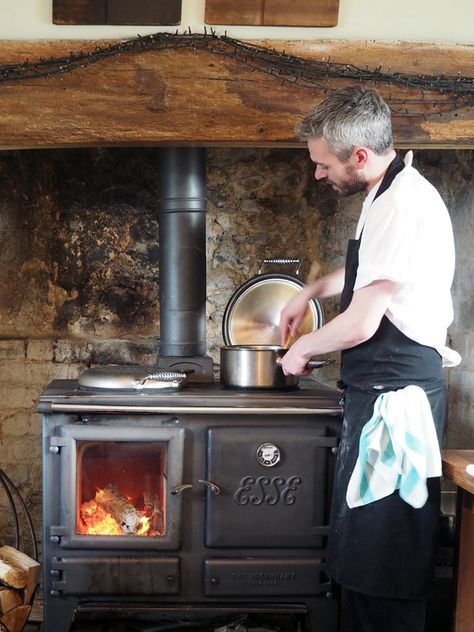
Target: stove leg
[(58, 615)]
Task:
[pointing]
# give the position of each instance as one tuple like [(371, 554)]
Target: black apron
[(386, 548)]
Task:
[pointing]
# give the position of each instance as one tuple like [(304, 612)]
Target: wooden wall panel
[(273, 12), (301, 12), (79, 11), (248, 12), (145, 12)]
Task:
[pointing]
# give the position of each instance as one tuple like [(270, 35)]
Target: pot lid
[(132, 378), (252, 315)]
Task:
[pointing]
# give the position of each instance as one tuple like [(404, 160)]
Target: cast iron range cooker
[(201, 500)]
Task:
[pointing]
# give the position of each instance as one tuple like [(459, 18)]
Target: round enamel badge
[(268, 454)]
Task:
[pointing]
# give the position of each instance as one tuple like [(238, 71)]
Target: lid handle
[(281, 261)]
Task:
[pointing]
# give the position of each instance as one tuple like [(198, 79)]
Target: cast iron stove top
[(310, 396)]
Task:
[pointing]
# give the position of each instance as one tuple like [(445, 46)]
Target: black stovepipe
[(182, 241)]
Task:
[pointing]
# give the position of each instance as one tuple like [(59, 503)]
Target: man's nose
[(319, 173)]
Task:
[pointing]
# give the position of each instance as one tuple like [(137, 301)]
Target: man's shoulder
[(412, 187), (411, 201)]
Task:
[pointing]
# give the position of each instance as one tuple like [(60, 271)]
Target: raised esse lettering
[(268, 491)]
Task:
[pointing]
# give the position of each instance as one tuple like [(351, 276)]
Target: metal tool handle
[(161, 379), (282, 261)]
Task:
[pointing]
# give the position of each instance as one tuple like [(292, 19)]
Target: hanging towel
[(398, 449)]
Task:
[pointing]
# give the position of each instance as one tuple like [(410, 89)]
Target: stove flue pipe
[(182, 233)]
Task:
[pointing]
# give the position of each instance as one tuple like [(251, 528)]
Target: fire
[(97, 521), (144, 526), (110, 513)]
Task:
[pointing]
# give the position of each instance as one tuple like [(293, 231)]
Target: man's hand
[(292, 316), (294, 361)]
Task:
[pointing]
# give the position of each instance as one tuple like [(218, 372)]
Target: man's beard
[(353, 183)]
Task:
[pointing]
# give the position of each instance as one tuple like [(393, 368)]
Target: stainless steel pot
[(258, 366)]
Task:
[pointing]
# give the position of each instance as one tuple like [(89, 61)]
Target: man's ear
[(360, 156)]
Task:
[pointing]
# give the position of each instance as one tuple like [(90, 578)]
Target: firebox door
[(273, 483), (115, 486)]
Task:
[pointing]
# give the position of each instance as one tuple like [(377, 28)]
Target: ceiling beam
[(197, 97)]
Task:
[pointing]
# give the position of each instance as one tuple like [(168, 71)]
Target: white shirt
[(407, 237)]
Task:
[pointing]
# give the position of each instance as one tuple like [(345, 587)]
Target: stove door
[(273, 486), (116, 483)]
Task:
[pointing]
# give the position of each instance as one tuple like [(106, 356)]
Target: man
[(395, 310)]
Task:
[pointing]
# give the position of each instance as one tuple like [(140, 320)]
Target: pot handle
[(317, 364), (312, 364)]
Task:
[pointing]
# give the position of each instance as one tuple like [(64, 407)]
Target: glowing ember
[(97, 521), (144, 526), (111, 513)]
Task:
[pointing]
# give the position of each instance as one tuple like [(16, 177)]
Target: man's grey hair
[(348, 118)]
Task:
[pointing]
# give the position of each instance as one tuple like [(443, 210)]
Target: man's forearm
[(355, 325), (340, 333)]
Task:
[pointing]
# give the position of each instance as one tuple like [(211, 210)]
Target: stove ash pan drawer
[(255, 577), (116, 576)]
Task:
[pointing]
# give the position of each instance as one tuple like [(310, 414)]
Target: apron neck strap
[(393, 170)]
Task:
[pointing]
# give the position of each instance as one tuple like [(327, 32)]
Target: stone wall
[(79, 267)]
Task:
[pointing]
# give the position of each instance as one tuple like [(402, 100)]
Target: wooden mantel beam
[(181, 96)]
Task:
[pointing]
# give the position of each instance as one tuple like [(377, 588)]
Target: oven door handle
[(179, 489), (215, 489)]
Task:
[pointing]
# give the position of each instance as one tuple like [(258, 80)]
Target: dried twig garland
[(450, 92)]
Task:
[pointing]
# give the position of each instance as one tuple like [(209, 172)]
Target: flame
[(95, 520), (144, 526)]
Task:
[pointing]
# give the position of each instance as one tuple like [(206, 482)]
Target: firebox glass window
[(121, 488)]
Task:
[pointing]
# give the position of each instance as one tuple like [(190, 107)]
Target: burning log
[(97, 521), (153, 511), (112, 513), (113, 501), (19, 575)]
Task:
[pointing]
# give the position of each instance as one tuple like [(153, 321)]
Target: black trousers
[(384, 614)]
